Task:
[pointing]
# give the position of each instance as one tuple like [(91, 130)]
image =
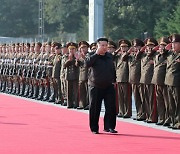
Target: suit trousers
[(96, 96), (125, 99), (174, 105)]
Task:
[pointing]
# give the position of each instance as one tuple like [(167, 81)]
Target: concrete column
[(96, 19)]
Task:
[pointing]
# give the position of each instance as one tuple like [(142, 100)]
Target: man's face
[(84, 49), (102, 45), (64, 50), (176, 46), (48, 48), (37, 48), (161, 48), (149, 48), (136, 48), (124, 48), (72, 51), (111, 49)]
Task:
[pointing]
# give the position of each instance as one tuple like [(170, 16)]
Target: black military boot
[(46, 93), (21, 91), (52, 94), (35, 92), (26, 90), (13, 88), (30, 91), (3, 88)]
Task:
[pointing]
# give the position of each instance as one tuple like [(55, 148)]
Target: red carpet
[(32, 128)]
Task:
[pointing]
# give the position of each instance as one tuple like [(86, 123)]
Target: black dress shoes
[(110, 130), (95, 132), (80, 108), (119, 115)]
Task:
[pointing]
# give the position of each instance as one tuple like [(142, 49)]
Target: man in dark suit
[(100, 82), (135, 75), (160, 63), (172, 80)]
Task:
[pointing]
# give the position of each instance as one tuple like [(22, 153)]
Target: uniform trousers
[(174, 105), (136, 88), (162, 104)]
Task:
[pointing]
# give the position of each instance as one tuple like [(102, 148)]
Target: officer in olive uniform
[(83, 75), (72, 76), (148, 90), (135, 75), (93, 47), (50, 71), (64, 58), (122, 76), (160, 64), (36, 60), (172, 80), (56, 74)]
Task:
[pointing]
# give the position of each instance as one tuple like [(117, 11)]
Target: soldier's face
[(136, 48), (149, 48), (64, 50), (48, 48), (124, 48), (72, 50), (84, 49), (161, 48), (176, 46), (111, 49)]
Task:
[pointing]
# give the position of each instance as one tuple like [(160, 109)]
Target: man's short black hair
[(102, 39)]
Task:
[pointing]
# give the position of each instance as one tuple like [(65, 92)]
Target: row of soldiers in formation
[(52, 72)]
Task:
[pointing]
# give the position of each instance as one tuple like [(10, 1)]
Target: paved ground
[(130, 120)]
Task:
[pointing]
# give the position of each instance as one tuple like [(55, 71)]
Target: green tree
[(18, 17)]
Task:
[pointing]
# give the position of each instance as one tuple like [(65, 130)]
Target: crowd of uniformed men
[(149, 69)]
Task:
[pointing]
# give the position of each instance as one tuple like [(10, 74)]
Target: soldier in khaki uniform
[(172, 80), (50, 71), (122, 74), (134, 77), (160, 64), (83, 75), (148, 89), (56, 74), (64, 58), (72, 76)]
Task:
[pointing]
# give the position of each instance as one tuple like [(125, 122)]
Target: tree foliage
[(122, 18)]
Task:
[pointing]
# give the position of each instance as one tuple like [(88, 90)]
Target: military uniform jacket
[(83, 70), (63, 70), (56, 66), (160, 69), (173, 70), (72, 71), (135, 68), (147, 68), (122, 69)]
